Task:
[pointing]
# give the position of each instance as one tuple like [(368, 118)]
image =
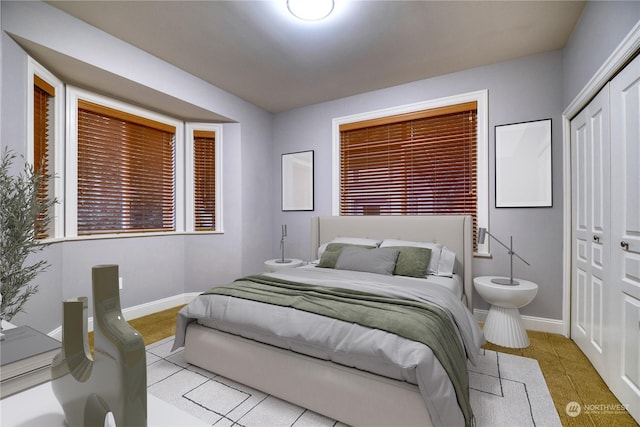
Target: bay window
[(118, 169)]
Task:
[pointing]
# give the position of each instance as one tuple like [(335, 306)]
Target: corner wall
[(601, 28), (155, 267), (520, 90)]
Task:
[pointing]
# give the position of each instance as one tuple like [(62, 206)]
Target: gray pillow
[(412, 261), (378, 260), (332, 252)]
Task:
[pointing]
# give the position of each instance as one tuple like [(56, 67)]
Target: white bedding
[(454, 284), (349, 344)]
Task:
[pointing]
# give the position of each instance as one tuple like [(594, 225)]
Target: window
[(204, 144), (45, 98), (43, 94), (127, 168), (120, 169), (133, 171), (126, 172), (204, 154), (412, 162)]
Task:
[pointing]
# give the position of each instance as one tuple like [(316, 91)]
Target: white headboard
[(453, 231)]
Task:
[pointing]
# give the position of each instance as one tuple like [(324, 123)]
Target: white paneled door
[(625, 235), (590, 221)]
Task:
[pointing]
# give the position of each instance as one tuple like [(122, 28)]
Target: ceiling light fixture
[(310, 10)]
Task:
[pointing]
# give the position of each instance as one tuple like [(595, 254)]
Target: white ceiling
[(257, 51)]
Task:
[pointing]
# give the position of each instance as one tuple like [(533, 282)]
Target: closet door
[(625, 228), (590, 228)]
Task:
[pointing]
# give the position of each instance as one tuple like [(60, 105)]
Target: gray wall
[(520, 90), (530, 88), (601, 28), (152, 267)]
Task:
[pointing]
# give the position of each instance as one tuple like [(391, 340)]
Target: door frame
[(623, 53)]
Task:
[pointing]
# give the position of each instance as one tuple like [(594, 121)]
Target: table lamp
[(482, 232), (283, 235)]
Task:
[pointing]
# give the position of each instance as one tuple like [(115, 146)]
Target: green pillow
[(412, 261), (331, 254)]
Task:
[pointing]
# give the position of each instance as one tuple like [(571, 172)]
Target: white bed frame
[(349, 395)]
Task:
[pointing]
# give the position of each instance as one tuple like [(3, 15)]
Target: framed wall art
[(523, 164), (297, 181)]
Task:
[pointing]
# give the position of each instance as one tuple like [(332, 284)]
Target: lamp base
[(505, 281), (283, 261)]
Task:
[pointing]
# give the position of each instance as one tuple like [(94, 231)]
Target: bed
[(404, 388)]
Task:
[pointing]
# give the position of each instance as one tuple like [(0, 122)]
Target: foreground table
[(38, 407)]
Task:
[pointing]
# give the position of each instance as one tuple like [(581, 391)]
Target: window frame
[(56, 150), (190, 128), (71, 203), (480, 97)]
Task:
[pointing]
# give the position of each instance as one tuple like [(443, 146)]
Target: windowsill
[(482, 255), (129, 235)]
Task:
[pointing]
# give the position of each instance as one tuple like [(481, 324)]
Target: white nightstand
[(503, 325), (275, 264)]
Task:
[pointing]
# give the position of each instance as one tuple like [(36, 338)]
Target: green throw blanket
[(413, 320)]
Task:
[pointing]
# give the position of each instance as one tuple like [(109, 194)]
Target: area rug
[(506, 390)]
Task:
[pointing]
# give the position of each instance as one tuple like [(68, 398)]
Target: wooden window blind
[(43, 93), (421, 163), (126, 172), (204, 180)]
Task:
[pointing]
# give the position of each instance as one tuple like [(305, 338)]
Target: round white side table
[(503, 325), (274, 264)]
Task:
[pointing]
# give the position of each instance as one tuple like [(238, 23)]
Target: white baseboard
[(139, 310), (532, 323), (539, 324)]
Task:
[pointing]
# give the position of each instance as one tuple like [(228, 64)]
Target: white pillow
[(351, 240), (436, 248), (447, 262)]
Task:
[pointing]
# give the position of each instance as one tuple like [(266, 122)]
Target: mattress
[(453, 284), (352, 345)]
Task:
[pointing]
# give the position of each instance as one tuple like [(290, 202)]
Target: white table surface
[(38, 407), (273, 265)]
